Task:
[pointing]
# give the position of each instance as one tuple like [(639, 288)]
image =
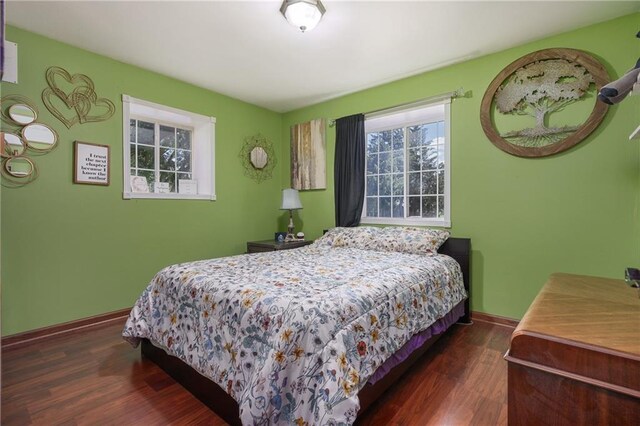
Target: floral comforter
[(293, 335)]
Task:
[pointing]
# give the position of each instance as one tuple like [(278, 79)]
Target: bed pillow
[(392, 238), (411, 240), (360, 237), (326, 240)]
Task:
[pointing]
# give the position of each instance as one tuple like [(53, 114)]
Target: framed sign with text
[(91, 163)]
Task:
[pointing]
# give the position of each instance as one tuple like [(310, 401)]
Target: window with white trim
[(407, 178), (168, 153)]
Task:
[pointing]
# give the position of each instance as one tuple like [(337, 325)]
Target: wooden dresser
[(574, 359)]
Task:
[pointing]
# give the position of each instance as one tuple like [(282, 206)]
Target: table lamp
[(291, 202)]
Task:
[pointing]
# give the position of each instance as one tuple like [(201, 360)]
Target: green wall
[(574, 212), (72, 251)]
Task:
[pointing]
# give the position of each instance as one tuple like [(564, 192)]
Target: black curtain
[(349, 168)]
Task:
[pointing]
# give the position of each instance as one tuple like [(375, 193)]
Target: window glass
[(406, 168), (172, 149)]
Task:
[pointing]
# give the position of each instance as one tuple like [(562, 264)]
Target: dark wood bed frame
[(227, 408)]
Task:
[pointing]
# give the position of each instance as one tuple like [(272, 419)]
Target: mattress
[(293, 335)]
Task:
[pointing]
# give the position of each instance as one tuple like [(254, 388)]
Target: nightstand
[(270, 245)]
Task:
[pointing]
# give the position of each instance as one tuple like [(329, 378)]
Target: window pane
[(372, 185), (398, 161), (385, 141), (184, 176), (372, 164), (429, 158), (430, 135), (169, 177), (372, 206), (429, 206), (167, 136), (414, 206), (414, 159), (384, 182), (414, 183), (183, 160), (398, 184), (146, 133), (133, 172), (398, 206), (429, 182), (405, 170), (385, 162), (167, 159), (373, 142), (150, 176), (385, 206), (398, 139), (184, 139), (414, 136), (146, 156), (132, 131), (132, 158)]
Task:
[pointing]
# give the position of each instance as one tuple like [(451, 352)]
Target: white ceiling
[(245, 49)]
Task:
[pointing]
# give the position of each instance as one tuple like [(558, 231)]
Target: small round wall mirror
[(12, 145), (22, 114), (39, 137), (19, 167), (259, 157)]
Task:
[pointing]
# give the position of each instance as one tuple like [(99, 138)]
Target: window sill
[(154, 196), (441, 223)]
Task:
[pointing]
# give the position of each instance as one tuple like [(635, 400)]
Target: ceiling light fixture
[(303, 14)]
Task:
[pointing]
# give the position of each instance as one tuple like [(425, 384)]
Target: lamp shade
[(290, 200), (303, 14)]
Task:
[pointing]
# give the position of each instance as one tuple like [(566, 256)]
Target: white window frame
[(202, 146), (445, 221)]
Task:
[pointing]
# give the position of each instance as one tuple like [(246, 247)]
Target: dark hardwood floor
[(94, 377)]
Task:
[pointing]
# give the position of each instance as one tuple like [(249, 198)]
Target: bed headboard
[(460, 250)]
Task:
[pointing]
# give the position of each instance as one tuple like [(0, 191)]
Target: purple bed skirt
[(417, 341)]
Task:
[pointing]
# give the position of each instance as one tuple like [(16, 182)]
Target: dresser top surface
[(586, 311)]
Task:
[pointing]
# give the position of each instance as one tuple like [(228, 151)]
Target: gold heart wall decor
[(79, 103)]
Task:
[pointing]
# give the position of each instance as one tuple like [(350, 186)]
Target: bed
[(303, 336)]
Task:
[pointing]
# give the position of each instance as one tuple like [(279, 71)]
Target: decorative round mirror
[(259, 157), (22, 114), (12, 145), (17, 110), (39, 137), (19, 167)]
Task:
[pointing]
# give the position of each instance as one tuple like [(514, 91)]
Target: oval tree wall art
[(538, 85)]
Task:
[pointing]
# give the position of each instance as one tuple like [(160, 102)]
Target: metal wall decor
[(12, 145), (17, 110), (77, 104), (538, 85), (39, 137), (17, 169), (25, 134), (258, 157)]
